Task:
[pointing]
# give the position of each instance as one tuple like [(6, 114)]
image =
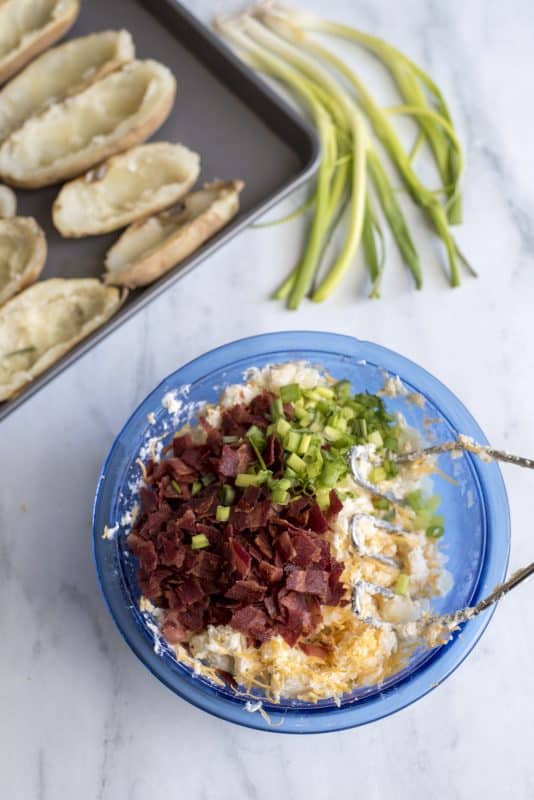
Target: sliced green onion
[(257, 442), (304, 445), (415, 500), (435, 531), (230, 439), (342, 390), (329, 475), (277, 409), (199, 541), (256, 434), (323, 498), (280, 496), (245, 479), (283, 484), (228, 494), (222, 513), (376, 439), (381, 503), (176, 486), (290, 393), (325, 391), (403, 582), (377, 475), (331, 433), (196, 488), (292, 441), (296, 464), (282, 427)]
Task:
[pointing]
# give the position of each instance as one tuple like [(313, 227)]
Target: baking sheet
[(240, 127)]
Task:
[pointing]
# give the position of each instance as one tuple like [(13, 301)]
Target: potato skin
[(188, 238), (35, 266), (12, 64), (56, 172), (34, 298), (182, 165)]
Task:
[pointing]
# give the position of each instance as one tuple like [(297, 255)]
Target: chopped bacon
[(312, 581), (173, 629), (269, 572), (170, 553), (315, 649), (265, 571), (335, 505), (240, 558), (285, 546), (229, 462), (248, 499), (246, 591), (274, 452), (181, 443), (253, 622), (187, 520), (317, 520), (149, 499), (145, 552), (263, 542), (307, 548), (190, 592)]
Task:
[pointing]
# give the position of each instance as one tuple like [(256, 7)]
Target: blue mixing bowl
[(475, 508)]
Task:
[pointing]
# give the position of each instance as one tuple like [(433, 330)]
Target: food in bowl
[(244, 537)]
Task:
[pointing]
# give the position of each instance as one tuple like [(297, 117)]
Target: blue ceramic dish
[(475, 508)]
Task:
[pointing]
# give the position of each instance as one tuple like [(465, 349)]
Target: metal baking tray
[(240, 127)]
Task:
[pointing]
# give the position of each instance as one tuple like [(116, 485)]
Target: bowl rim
[(440, 665)]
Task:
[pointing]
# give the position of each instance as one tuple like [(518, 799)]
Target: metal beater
[(441, 626)]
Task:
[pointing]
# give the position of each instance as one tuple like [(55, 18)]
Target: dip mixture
[(245, 538)]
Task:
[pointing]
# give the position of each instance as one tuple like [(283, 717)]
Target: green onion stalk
[(270, 65), (414, 86), (331, 177), (276, 41), (285, 25), (350, 118)]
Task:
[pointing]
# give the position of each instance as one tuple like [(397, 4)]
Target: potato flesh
[(141, 241), (92, 116), (57, 73), (16, 250), (30, 330), (97, 115), (18, 18), (133, 180)]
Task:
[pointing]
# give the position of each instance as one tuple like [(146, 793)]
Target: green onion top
[(199, 541)]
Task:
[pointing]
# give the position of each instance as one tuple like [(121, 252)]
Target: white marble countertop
[(81, 717)]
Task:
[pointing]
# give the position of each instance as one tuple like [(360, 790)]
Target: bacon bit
[(335, 504), (172, 629), (312, 581), (314, 649)]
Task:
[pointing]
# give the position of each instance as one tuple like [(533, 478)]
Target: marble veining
[(81, 717)]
